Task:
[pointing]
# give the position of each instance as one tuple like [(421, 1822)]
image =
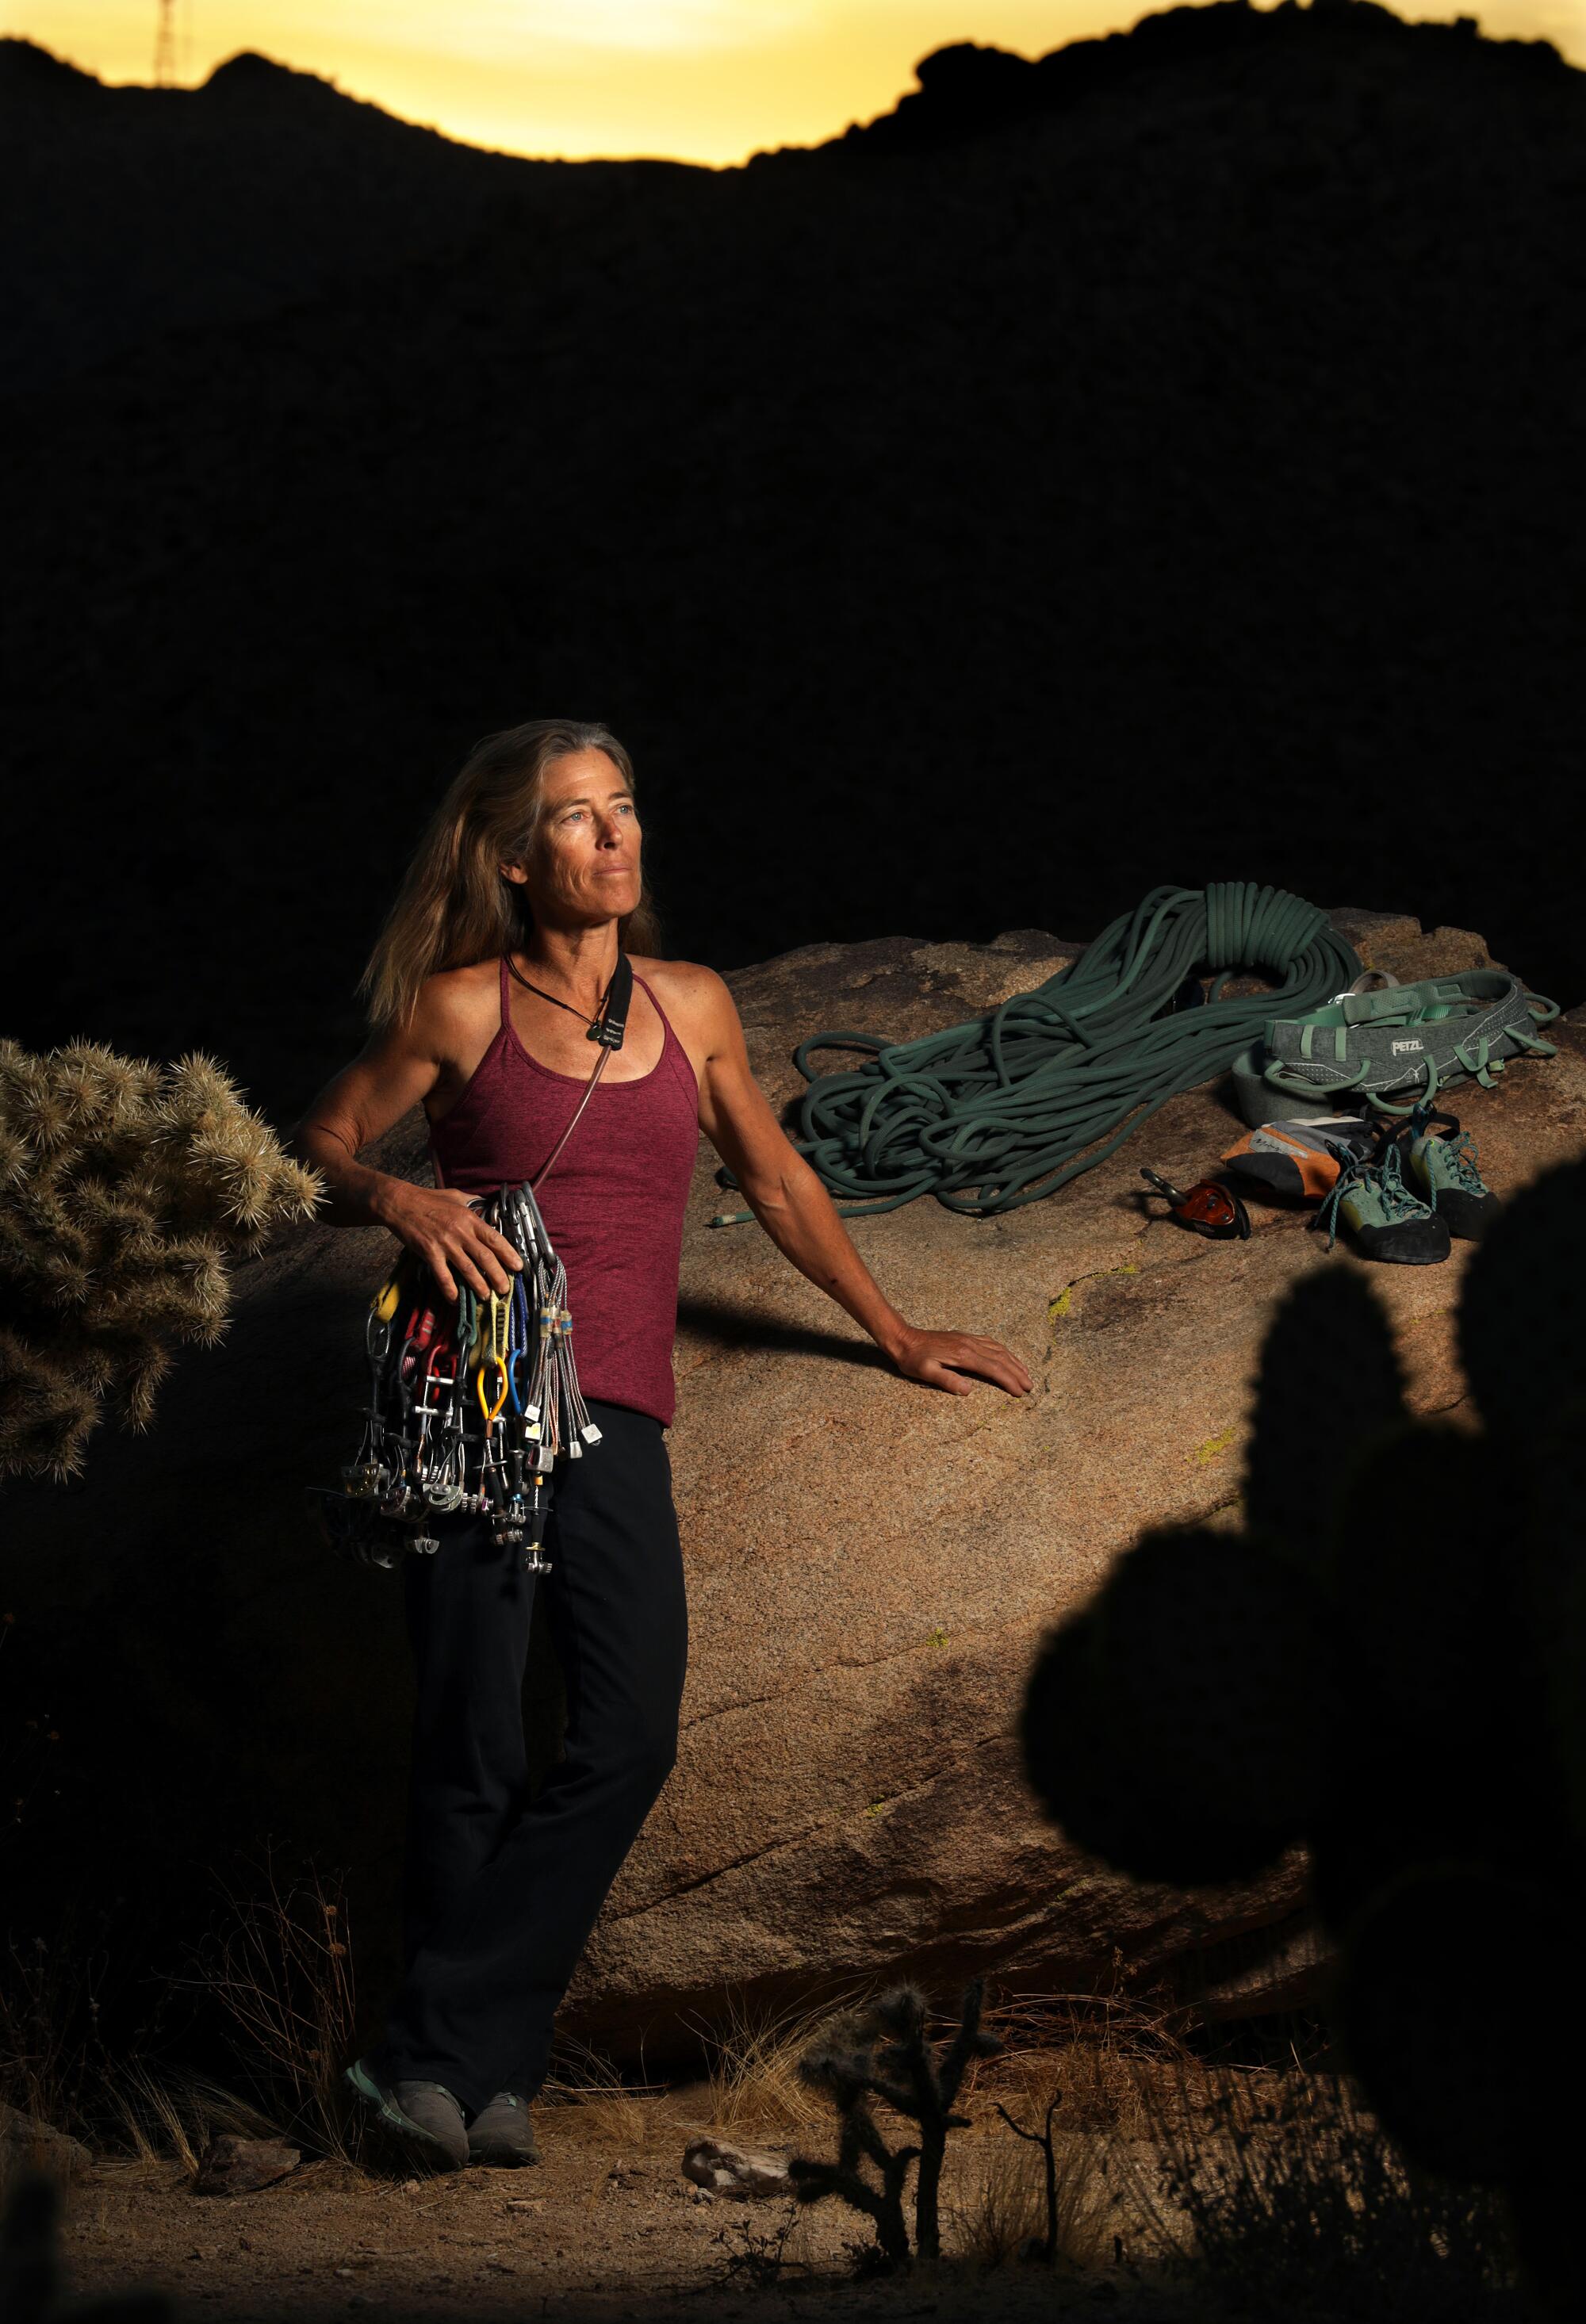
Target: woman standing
[(491, 970)]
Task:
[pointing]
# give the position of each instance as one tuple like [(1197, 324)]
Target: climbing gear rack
[(470, 1400)]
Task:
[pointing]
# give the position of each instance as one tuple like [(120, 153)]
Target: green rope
[(1003, 1109)]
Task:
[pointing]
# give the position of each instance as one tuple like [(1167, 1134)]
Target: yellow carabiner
[(486, 1408), (496, 1339), (387, 1300)]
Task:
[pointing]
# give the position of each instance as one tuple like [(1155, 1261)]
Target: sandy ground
[(606, 2226)]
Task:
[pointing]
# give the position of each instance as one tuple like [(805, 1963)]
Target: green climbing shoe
[(1443, 1163), (1386, 1220)]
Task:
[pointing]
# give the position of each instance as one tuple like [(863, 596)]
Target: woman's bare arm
[(796, 1210), (395, 1072)]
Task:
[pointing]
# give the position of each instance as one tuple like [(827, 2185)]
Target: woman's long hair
[(454, 907)]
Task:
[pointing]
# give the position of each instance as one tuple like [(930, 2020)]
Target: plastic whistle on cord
[(471, 1401)]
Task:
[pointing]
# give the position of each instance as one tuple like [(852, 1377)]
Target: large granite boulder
[(870, 1562)]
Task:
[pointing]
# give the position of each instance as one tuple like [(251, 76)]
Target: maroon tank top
[(613, 1204)]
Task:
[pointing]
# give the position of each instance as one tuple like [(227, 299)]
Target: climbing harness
[(1405, 1043), (1209, 1207), (472, 1400), (1003, 1109)]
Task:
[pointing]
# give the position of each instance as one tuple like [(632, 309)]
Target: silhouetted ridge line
[(28, 71), (967, 88), (1188, 478), (246, 84), (255, 79)]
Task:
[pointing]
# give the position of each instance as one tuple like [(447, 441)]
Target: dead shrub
[(280, 1969), (1097, 2052), (52, 2061), (1281, 2195), (999, 2209)]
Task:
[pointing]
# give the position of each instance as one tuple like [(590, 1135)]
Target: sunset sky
[(700, 80)]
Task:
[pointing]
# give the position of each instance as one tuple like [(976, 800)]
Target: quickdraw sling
[(472, 1400)]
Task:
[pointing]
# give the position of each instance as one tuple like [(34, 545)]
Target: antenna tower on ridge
[(165, 46)]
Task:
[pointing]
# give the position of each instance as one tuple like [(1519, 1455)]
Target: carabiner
[(490, 1410)]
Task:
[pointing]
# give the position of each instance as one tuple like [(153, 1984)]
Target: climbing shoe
[(423, 2118), (1443, 1164), (1386, 1220), (501, 2133), (1298, 1158)]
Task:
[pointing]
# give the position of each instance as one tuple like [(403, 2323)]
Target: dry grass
[(1092, 2070), (280, 1969), (997, 2209), (1265, 2190), (1098, 2055), (1279, 2194), (755, 2089), (1080, 2067), (173, 2115), (603, 2105), (751, 2087)]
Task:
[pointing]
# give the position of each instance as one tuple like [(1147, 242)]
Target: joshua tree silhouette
[(882, 2052)]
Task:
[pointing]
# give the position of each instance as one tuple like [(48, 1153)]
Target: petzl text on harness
[(1395, 1049), (472, 1399)]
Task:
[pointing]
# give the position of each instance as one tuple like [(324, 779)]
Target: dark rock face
[(871, 1564), (995, 515)]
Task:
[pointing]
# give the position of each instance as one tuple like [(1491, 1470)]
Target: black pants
[(501, 1892)]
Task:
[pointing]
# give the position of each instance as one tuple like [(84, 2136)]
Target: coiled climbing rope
[(999, 1112)]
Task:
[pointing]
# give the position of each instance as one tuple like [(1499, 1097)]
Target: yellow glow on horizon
[(697, 81)]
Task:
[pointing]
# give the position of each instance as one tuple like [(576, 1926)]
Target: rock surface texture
[(871, 1562)]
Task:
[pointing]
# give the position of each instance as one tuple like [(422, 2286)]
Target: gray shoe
[(501, 2133), (423, 2117)]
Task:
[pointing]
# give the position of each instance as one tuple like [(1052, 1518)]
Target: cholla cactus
[(125, 1188), (1390, 1666), (882, 2052)]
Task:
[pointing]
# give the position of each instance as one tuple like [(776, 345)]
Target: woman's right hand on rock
[(441, 1225)]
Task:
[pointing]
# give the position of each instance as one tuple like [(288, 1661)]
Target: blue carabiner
[(516, 1341)]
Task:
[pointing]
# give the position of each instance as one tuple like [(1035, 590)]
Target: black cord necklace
[(588, 1022)]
